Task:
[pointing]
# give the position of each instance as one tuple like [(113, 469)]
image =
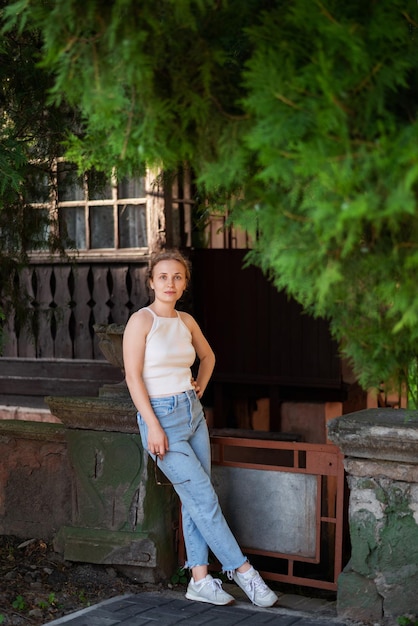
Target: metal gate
[(284, 503)]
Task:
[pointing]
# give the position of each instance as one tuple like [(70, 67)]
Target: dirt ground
[(37, 585)]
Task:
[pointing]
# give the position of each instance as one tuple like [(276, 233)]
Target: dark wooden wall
[(264, 344)]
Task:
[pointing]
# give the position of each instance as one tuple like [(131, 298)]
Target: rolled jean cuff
[(188, 566)]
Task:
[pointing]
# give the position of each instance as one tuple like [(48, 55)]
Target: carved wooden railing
[(66, 300)]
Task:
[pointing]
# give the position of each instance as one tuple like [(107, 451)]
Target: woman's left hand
[(197, 389)]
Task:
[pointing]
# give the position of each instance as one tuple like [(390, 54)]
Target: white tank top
[(169, 355)]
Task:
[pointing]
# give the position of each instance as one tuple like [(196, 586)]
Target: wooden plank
[(139, 294), (10, 344), (49, 386), (119, 295), (41, 377), (56, 368), (63, 346), (82, 311), (44, 297), (100, 294), (25, 340), (102, 311)]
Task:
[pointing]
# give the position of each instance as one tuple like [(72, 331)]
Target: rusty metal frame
[(324, 461)]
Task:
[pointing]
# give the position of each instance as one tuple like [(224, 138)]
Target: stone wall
[(90, 491), (35, 479), (381, 580)]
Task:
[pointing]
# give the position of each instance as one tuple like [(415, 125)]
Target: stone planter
[(110, 343), (380, 446)]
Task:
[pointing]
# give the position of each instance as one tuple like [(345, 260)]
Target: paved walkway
[(170, 607)]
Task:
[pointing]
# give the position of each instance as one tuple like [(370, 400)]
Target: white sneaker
[(255, 588), (208, 590)]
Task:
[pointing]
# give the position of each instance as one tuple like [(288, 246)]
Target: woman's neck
[(163, 310)]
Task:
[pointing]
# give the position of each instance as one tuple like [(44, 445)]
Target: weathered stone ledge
[(106, 413), (396, 471), (387, 434), (42, 431)]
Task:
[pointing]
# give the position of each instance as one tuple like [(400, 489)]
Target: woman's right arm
[(134, 340)]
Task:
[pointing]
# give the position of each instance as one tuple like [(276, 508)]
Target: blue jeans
[(188, 462)]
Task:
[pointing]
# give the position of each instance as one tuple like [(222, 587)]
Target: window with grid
[(97, 214)]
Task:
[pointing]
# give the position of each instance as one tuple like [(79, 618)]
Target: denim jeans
[(204, 525)]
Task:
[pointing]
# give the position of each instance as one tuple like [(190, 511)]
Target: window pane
[(35, 231), (132, 226), (43, 225), (36, 188), (131, 188), (72, 221), (102, 227), (70, 185), (99, 187)]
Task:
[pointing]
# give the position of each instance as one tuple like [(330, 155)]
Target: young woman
[(159, 347)]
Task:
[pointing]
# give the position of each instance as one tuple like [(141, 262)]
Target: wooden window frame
[(148, 201)]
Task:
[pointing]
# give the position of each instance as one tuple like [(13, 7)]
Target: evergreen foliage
[(301, 115), (338, 172), (30, 137)]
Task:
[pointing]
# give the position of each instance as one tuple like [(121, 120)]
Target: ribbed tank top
[(169, 355)]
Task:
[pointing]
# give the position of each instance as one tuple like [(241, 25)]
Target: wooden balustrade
[(64, 303), (56, 352)]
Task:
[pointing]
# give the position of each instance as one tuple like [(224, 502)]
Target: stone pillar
[(120, 516), (380, 582)]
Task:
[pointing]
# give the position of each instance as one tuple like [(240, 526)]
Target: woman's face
[(168, 280)]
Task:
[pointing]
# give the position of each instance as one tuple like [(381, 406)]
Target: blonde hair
[(169, 255)]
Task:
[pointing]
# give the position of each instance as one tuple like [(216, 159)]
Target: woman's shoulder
[(141, 319), (187, 319)]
